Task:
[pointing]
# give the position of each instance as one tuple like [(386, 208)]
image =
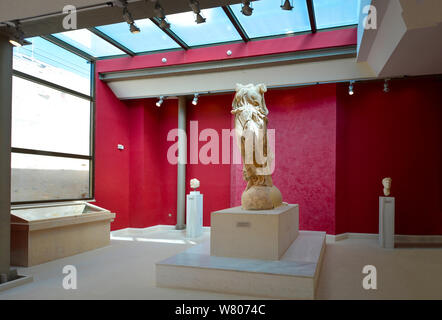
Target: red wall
[(211, 112), (112, 165), (304, 120), (396, 134)]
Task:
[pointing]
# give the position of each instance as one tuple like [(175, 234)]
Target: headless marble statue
[(250, 113)]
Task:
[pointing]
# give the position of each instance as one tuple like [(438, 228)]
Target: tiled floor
[(125, 270)]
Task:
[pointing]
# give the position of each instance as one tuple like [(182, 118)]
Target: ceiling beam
[(35, 22), (311, 15), (69, 47), (236, 23), (108, 39), (171, 34)]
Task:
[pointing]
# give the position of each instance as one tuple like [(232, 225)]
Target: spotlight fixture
[(128, 18), (159, 11), (160, 101), (164, 24), (386, 88), (199, 18), (350, 88), (246, 9), (195, 99), (195, 6), (287, 5), (134, 29), (17, 38)]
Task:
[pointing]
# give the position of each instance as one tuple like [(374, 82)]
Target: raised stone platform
[(254, 234), (294, 276)]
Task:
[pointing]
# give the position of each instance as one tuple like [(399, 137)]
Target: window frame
[(91, 157)]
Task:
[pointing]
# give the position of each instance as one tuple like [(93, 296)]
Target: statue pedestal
[(386, 222), (194, 214), (254, 234)]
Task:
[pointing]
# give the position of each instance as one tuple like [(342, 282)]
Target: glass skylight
[(216, 29), (336, 13), (88, 42), (268, 19), (150, 38)]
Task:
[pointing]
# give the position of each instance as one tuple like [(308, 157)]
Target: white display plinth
[(294, 276), (386, 222), (194, 214), (254, 234)]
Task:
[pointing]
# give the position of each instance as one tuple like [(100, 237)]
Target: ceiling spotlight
[(130, 21), (160, 101), (134, 29), (287, 5), (195, 99), (159, 11), (386, 88), (350, 88), (246, 9), (164, 24), (199, 18), (17, 38), (195, 6)]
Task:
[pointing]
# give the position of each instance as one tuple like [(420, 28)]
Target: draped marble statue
[(250, 113)]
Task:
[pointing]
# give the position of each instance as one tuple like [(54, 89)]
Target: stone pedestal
[(254, 253), (254, 234), (194, 214), (386, 222)]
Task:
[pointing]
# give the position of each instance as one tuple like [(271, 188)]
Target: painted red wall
[(304, 120), (332, 150), (396, 134), (152, 178), (212, 112), (112, 165)]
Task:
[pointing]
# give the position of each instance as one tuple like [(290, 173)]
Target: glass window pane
[(88, 42), (336, 13), (268, 19), (35, 177), (216, 29), (149, 39), (48, 119), (49, 62)]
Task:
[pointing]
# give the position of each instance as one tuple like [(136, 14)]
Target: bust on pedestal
[(386, 217), (194, 211)]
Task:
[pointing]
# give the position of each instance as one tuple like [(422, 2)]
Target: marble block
[(386, 222), (254, 234), (294, 276), (194, 214)]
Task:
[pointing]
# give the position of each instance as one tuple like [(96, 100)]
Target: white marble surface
[(300, 259), (386, 222), (293, 277), (194, 214)]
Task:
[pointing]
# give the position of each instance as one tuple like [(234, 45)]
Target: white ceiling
[(407, 41)]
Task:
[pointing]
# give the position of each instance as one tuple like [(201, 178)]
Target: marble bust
[(250, 113), (194, 183), (386, 182)]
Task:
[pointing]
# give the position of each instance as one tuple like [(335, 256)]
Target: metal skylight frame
[(183, 45)]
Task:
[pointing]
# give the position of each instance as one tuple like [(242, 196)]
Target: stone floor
[(125, 270)]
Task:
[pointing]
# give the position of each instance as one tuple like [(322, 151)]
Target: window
[(52, 146), (45, 60)]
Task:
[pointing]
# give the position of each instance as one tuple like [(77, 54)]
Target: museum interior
[(127, 171)]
